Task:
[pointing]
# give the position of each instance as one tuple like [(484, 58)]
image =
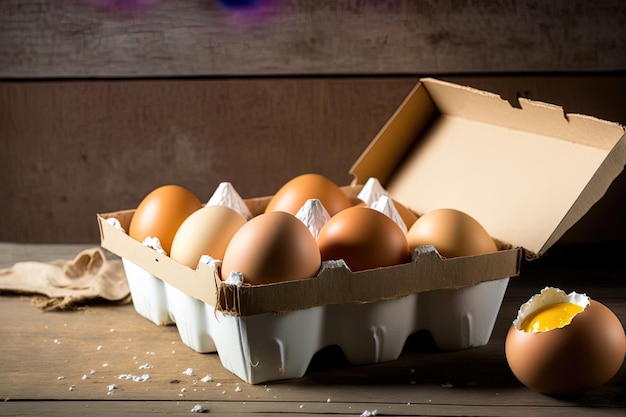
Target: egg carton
[(271, 346), (465, 136)]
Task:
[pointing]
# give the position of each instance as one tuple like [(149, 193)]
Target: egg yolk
[(549, 317)]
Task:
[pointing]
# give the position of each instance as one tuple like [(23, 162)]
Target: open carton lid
[(526, 174)]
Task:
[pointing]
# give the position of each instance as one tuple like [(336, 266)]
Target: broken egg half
[(564, 344)]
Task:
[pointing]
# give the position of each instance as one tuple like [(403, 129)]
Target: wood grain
[(44, 354), (82, 38)]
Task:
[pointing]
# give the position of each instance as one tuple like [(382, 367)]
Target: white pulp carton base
[(267, 347)]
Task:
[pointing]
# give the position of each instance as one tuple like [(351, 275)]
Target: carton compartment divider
[(427, 271)]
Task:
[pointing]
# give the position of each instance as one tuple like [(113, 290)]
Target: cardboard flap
[(527, 173)]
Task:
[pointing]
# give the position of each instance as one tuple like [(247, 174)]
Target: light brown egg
[(272, 247), (206, 231), (364, 238), (452, 232), (161, 213), (567, 344), (292, 196)]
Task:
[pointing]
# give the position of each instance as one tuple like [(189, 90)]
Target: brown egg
[(364, 238), (206, 231), (292, 196), (161, 213), (584, 351), (272, 247), (452, 232)]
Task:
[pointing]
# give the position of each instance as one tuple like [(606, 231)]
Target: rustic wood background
[(85, 38), (101, 101)]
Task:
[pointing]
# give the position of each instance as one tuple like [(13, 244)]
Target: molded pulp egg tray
[(526, 173)]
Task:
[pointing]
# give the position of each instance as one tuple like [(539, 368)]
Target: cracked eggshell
[(161, 213), (578, 357), (294, 194), (272, 247)]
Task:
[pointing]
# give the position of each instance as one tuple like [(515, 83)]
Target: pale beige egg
[(452, 232), (207, 231)]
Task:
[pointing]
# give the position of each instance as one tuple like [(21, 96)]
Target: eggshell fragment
[(272, 247), (578, 357), (206, 231), (452, 232), (161, 213), (364, 238), (291, 196)]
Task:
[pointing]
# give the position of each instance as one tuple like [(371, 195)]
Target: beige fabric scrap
[(63, 284)]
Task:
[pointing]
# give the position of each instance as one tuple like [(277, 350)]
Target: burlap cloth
[(64, 285)]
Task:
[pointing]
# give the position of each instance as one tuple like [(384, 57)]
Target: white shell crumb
[(207, 378), (111, 387), (199, 409), (238, 389), (226, 195), (188, 372), (145, 366), (72, 387), (136, 378), (60, 377), (368, 413)]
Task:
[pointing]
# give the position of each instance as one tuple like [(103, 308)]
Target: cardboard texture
[(527, 172)]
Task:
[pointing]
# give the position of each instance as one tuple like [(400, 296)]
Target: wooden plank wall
[(100, 101), (83, 38)]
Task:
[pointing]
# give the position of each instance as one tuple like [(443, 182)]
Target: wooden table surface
[(63, 363)]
